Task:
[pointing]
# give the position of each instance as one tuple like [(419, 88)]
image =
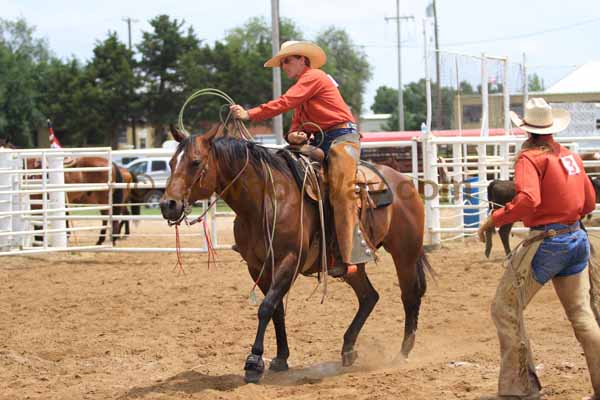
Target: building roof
[(584, 79)]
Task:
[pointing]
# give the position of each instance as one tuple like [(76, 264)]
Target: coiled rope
[(238, 125)]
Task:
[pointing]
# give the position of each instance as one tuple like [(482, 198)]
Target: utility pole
[(438, 89), (400, 94), (133, 135), (278, 120)]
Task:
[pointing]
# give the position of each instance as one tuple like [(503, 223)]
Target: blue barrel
[(470, 197)]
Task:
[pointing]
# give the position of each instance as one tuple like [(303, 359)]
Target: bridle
[(198, 177)]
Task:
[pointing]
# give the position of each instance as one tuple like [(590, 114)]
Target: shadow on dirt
[(191, 382)]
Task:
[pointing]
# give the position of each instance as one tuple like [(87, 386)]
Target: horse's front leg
[(271, 307)]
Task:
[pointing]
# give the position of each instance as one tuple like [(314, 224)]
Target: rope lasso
[(238, 124), (179, 265)]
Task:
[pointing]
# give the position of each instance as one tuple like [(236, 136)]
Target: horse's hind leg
[(124, 223), (103, 230), (367, 298), (116, 225), (411, 277)]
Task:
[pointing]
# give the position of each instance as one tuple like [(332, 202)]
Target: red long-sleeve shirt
[(551, 187), (314, 98)]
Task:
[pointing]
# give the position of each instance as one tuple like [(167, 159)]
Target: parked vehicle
[(154, 170), (122, 161)]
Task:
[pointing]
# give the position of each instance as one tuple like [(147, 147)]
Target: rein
[(187, 209), (212, 203)]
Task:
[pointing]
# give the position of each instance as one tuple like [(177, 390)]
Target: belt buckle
[(551, 233)]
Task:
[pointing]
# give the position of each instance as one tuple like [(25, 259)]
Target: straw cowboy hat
[(314, 53), (540, 118)]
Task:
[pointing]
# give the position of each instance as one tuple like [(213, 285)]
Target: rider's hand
[(297, 138), (487, 225), (239, 112)]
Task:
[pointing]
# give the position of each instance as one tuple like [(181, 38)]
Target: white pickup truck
[(153, 170)]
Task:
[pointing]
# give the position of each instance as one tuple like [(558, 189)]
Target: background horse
[(258, 185), (502, 192), (120, 196)]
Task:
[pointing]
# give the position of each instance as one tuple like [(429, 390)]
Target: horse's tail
[(423, 266)]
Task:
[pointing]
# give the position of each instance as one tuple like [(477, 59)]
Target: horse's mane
[(228, 150)]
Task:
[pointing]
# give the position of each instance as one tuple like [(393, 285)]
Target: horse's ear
[(177, 134)]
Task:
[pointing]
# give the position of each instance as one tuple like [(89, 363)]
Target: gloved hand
[(486, 226), (297, 138), (239, 112)]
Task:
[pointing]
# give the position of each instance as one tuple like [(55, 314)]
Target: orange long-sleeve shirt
[(314, 98), (551, 187)]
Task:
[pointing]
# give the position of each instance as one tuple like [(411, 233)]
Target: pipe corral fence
[(37, 217)]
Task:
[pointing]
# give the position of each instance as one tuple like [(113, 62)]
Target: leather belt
[(573, 225), (551, 233), (343, 125)]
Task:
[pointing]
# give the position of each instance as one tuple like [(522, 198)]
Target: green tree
[(415, 105), (386, 100), (234, 65), (466, 88), (535, 83), (347, 64), (162, 51), (64, 99), (20, 54), (112, 77)]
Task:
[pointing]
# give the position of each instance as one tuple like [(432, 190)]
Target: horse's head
[(193, 174)]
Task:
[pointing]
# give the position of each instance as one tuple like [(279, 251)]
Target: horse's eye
[(196, 163)]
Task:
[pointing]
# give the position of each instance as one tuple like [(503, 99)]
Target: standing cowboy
[(552, 194), (316, 99)]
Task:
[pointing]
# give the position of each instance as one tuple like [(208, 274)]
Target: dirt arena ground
[(126, 326)]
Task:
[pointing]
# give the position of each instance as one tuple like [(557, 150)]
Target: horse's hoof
[(255, 366), (278, 365), (348, 358), (408, 344)]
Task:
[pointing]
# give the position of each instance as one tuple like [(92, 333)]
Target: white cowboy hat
[(314, 53), (540, 118)]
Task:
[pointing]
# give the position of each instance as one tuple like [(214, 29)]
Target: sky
[(554, 37)]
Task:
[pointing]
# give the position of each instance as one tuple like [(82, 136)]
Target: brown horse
[(120, 196), (234, 168)]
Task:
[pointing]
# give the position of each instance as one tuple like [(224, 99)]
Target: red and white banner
[(54, 143)]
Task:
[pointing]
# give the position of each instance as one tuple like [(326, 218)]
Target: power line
[(526, 35), (505, 38)]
